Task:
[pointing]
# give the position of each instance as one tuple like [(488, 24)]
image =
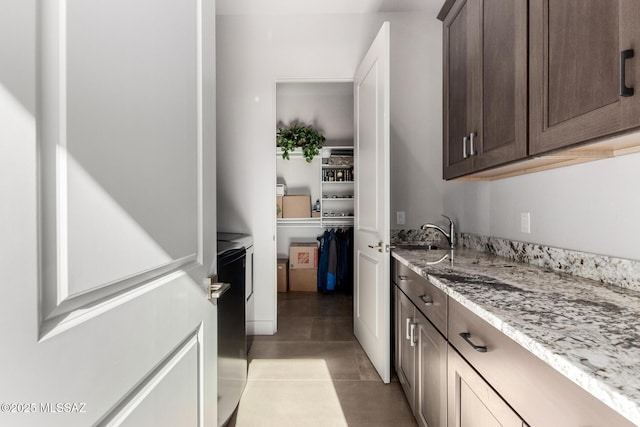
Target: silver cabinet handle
[(407, 328), (403, 278), (426, 299), (472, 151), (412, 334), (467, 337), (464, 148)]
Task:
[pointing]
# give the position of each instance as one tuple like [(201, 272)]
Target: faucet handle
[(452, 232)]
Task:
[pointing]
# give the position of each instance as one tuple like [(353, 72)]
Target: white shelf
[(337, 182), (299, 222), (337, 221)]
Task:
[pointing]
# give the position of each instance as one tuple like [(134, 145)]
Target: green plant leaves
[(300, 135)]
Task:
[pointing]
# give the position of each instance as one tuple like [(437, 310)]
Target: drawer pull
[(403, 278), (407, 328), (427, 300), (467, 337)]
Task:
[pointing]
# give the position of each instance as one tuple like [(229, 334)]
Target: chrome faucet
[(451, 235)]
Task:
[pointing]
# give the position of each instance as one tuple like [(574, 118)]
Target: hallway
[(313, 372)]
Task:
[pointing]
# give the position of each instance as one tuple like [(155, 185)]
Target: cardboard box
[(283, 274), (303, 256), (305, 280), (279, 206), (296, 206)]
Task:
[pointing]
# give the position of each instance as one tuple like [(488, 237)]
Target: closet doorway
[(315, 200)]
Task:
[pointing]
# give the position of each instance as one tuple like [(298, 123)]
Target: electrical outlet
[(525, 222), (400, 218)]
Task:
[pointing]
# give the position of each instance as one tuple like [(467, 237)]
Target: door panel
[(472, 402), (431, 382), (499, 54), (503, 135), (574, 58), (367, 300), (583, 51), (368, 183), (457, 84), (108, 80), (407, 353), (372, 320), (111, 214), (168, 396)]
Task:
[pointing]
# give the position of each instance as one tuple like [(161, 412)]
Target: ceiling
[(316, 7)]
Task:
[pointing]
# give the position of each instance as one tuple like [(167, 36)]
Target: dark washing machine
[(232, 337)]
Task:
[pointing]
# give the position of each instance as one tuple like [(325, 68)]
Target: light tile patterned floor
[(313, 372)]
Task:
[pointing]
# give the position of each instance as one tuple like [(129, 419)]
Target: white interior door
[(372, 291), (107, 212)]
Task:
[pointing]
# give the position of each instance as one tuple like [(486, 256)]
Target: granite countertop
[(588, 331)]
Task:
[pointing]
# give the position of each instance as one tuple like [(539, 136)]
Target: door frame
[(284, 80)]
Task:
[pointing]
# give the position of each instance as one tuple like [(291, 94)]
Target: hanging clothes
[(335, 261), (332, 264), (345, 260), (323, 261)]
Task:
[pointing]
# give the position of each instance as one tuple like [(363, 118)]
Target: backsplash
[(605, 269), (417, 237)]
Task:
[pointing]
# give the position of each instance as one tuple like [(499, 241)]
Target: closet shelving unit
[(337, 197)]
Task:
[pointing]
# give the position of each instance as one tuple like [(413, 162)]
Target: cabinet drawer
[(430, 300), (540, 394)]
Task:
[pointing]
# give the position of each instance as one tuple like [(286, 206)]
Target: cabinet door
[(472, 402), (431, 378), (501, 129), (575, 51), (460, 33), (406, 344)]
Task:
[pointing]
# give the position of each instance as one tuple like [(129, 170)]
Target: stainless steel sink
[(427, 247)]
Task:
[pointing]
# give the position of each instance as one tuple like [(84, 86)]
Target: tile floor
[(320, 327)]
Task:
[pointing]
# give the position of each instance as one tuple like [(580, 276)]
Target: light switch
[(525, 222), (400, 218)]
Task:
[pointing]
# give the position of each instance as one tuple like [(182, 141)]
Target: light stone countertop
[(586, 330)]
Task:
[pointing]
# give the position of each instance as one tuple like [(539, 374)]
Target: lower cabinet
[(472, 402), (405, 345), (421, 363), (431, 376), (463, 372)]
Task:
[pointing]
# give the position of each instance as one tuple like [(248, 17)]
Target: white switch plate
[(525, 222), (400, 217)]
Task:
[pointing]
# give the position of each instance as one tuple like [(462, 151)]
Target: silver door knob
[(379, 247)]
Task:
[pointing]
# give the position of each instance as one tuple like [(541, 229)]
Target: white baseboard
[(260, 327)]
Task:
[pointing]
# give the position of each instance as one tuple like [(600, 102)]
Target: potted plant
[(300, 135)]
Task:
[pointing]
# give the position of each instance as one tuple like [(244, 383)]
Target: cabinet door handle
[(412, 334), (426, 299), (403, 278), (472, 149), (467, 337), (408, 336), (464, 148), (624, 90)]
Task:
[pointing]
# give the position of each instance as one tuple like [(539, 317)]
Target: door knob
[(379, 247)]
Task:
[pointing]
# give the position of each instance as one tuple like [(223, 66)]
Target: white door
[(372, 291), (107, 212)]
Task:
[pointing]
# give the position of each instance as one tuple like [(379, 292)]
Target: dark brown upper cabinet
[(485, 84), (580, 71)]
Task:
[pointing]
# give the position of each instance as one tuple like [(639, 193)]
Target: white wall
[(256, 51), (593, 207)]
